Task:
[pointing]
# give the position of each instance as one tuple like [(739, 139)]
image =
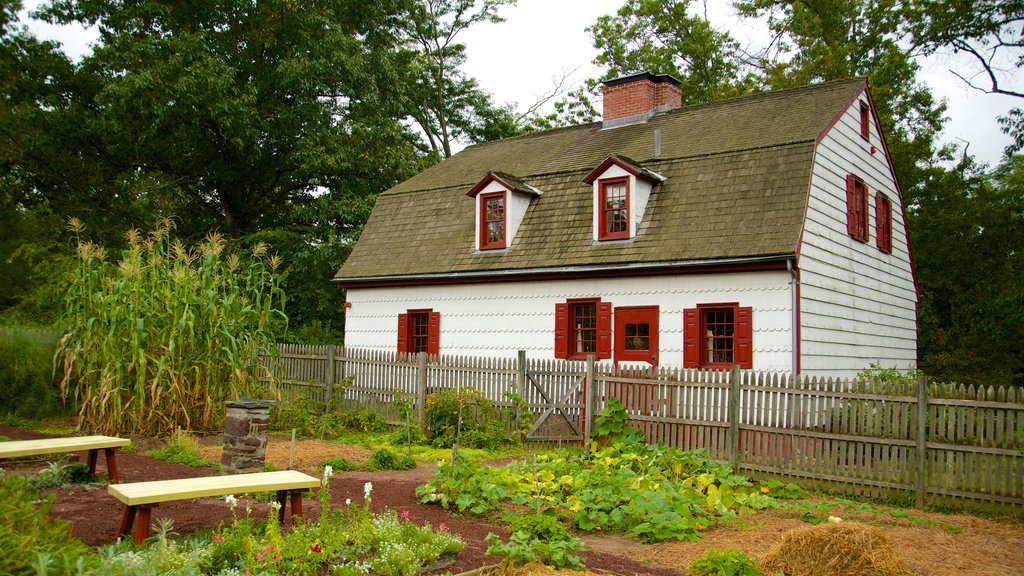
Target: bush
[(728, 562), (182, 449), (537, 538), (31, 538), (308, 419), (385, 459), (340, 464), (481, 425), (55, 476), (29, 389)]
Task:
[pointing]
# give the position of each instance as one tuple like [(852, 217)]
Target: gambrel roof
[(736, 183)]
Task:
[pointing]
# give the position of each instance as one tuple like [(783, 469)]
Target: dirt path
[(982, 547)]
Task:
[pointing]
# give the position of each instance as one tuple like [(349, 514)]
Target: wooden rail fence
[(941, 444)]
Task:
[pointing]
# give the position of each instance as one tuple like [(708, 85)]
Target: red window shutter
[(744, 351), (851, 206), (434, 334), (883, 223), (604, 330), (561, 330), (691, 338), (403, 333)]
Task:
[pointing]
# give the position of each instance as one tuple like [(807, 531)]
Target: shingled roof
[(737, 174)]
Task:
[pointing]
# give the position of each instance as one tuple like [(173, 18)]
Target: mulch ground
[(980, 547)]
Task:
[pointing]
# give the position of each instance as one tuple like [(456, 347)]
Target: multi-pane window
[(614, 206), (419, 331), (719, 327), (492, 221), (637, 337), (583, 322), (856, 208), (883, 223)]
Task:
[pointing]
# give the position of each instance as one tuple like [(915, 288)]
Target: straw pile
[(843, 549)]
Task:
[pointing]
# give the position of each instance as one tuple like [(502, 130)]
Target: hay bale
[(843, 549)]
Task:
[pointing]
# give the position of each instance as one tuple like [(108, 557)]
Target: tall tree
[(990, 33), (446, 103)]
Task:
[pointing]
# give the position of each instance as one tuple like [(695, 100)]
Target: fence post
[(329, 378), (920, 486), (520, 389), (589, 394), (734, 416), (421, 387)]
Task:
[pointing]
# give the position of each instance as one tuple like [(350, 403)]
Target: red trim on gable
[(603, 209), (485, 244), (487, 180)]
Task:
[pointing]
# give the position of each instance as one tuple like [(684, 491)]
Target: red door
[(636, 334)]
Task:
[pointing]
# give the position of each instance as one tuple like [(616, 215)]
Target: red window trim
[(883, 223), (856, 208), (694, 351), (565, 331), (865, 120), (484, 244), (405, 328), (602, 219)]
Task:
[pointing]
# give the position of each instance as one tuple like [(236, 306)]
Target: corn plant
[(160, 339)]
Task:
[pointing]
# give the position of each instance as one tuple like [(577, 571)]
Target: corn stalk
[(163, 337)]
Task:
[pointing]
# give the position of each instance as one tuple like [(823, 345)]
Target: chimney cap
[(654, 78)]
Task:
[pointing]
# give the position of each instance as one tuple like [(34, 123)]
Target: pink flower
[(268, 549), (405, 514), (246, 569), (259, 557), (442, 527), (217, 539), (277, 556), (222, 522), (315, 548)]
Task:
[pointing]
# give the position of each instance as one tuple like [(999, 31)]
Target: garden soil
[(978, 546)]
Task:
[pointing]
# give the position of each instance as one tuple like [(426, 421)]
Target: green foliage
[(30, 537), (55, 476), (537, 538), (650, 492), (465, 416), (340, 464), (308, 419), (385, 459), (162, 338), (612, 426), (182, 449), (29, 388), (818, 511), (727, 562)]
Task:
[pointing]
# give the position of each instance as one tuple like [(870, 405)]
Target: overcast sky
[(519, 60)]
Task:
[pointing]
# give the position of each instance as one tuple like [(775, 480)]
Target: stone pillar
[(245, 436)]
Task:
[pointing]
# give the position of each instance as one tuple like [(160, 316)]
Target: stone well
[(245, 436)]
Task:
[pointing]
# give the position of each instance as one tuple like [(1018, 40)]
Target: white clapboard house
[(766, 231)]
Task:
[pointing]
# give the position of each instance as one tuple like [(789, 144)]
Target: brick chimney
[(634, 99)]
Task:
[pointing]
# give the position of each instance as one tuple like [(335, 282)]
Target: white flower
[(328, 472), (275, 505), (348, 501), (230, 500), (367, 488)]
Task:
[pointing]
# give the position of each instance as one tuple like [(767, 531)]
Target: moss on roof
[(737, 174)]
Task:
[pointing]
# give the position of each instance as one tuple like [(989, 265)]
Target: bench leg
[(282, 499), (92, 460), (127, 519), (111, 454), (297, 504), (142, 524)]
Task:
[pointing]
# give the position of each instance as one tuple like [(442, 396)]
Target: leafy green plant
[(727, 562), (339, 464), (164, 336), (537, 538), (182, 448), (466, 416), (31, 538), (385, 459), (612, 426)]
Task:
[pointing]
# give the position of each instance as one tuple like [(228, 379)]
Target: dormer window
[(501, 201), (492, 221), (614, 202), (621, 191)]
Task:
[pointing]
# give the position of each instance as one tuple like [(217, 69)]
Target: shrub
[(55, 476), (340, 464), (385, 459), (612, 426), (182, 449), (164, 336), (728, 562), (480, 427), (30, 389), (537, 538), (32, 539)]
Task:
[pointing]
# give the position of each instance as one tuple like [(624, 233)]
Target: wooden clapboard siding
[(857, 304), (497, 320), (837, 434)]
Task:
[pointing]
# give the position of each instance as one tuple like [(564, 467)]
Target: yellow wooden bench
[(140, 497), (109, 445)]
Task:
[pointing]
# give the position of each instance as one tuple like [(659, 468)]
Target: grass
[(374, 441)]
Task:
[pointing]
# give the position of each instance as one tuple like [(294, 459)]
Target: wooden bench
[(140, 497), (109, 445)]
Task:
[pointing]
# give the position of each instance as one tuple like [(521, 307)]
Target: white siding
[(499, 319), (857, 303)]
